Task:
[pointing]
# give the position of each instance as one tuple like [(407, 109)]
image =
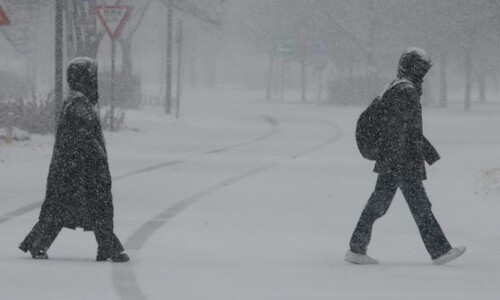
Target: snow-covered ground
[(243, 199)]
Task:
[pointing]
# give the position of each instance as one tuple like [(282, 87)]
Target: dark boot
[(39, 254), (120, 257)]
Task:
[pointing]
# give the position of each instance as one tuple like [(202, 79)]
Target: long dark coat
[(403, 147), (79, 182)]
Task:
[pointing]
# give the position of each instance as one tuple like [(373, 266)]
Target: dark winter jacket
[(403, 147), (79, 182)]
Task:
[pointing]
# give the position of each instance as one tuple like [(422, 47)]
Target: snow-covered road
[(242, 199)]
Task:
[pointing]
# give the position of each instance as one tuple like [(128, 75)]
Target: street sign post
[(286, 48), (113, 18), (320, 63), (4, 20)]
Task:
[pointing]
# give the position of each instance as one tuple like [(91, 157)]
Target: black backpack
[(368, 126)]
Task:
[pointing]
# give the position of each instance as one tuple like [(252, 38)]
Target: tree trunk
[(482, 86), (427, 97), (59, 59), (77, 23), (169, 31), (443, 84), (282, 82), (350, 70), (468, 79), (320, 86), (496, 81), (127, 80), (303, 79), (370, 50), (371, 74), (126, 47), (92, 46), (70, 31), (192, 73), (270, 77), (211, 72)]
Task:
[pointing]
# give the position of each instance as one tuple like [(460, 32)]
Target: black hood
[(82, 77), (413, 65)]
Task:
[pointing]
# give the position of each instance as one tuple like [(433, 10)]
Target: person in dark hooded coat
[(78, 190), (402, 153)]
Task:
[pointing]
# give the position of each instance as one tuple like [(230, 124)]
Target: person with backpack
[(390, 132), (78, 193)]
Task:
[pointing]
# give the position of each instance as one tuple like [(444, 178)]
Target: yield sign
[(3, 17), (113, 17)]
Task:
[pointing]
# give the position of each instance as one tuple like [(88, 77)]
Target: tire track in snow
[(124, 277), (20, 211), (274, 129), (35, 205)]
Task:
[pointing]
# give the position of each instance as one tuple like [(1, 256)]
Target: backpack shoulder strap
[(393, 84)]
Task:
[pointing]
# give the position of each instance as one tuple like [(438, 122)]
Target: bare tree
[(22, 30), (83, 33), (128, 32), (357, 25)]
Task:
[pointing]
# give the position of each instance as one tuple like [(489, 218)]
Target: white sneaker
[(451, 255), (359, 259)]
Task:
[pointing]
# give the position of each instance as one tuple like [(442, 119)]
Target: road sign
[(285, 46), (4, 21), (113, 17)]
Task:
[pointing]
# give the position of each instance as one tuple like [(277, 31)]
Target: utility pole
[(179, 70), (168, 96), (112, 109), (59, 57)]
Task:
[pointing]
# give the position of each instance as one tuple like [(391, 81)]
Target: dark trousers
[(420, 207), (44, 233)]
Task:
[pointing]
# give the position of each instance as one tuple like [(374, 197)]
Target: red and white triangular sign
[(3, 17), (113, 17)]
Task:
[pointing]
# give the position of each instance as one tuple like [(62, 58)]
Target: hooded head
[(82, 77), (413, 65)]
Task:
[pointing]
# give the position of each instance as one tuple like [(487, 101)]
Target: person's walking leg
[(421, 208), (33, 235), (48, 234), (376, 207), (109, 246), (40, 238)]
